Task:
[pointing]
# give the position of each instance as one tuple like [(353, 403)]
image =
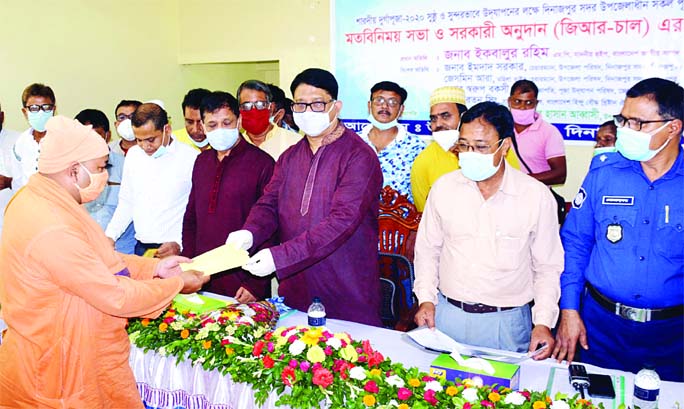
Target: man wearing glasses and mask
[(396, 148), (259, 117), (623, 284), (488, 245), (322, 202), (38, 105)]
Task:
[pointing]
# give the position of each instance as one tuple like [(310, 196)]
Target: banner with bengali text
[(582, 55)]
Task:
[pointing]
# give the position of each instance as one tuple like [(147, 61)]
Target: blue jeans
[(509, 330), (126, 243), (618, 343)]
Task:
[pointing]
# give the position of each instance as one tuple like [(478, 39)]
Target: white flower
[(560, 404), (395, 380), (470, 394), (477, 381), (297, 347), (335, 343), (202, 333), (357, 373), (177, 325), (212, 326), (162, 351), (433, 386), (514, 398)]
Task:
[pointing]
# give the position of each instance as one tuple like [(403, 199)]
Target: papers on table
[(219, 259), (437, 341)]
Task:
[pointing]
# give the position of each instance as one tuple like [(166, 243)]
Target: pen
[(667, 214)]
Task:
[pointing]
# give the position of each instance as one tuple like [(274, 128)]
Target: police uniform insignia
[(579, 199), (614, 232)]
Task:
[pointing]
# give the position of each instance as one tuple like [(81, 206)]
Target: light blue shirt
[(397, 159), (102, 209)]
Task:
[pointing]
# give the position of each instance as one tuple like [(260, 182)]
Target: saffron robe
[(65, 296)]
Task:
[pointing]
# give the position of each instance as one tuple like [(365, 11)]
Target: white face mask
[(382, 126), (313, 123), (446, 139), (222, 139), (634, 145), (201, 144), (477, 166), (604, 149), (125, 130)]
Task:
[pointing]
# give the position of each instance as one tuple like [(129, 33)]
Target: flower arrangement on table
[(312, 367)]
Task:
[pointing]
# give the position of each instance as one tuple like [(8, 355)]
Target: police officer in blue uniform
[(622, 291)]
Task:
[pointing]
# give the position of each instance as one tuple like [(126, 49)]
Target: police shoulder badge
[(579, 199), (614, 232)]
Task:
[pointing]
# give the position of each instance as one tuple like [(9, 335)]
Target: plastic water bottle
[(316, 313), (646, 389)]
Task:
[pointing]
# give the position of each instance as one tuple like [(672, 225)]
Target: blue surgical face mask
[(634, 145), (604, 149), (204, 142), (477, 166), (382, 126), (162, 149), (37, 120), (222, 139)]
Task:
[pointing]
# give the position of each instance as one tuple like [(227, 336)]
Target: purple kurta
[(325, 209), (221, 197)]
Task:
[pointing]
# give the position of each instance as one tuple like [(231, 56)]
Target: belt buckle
[(633, 314)]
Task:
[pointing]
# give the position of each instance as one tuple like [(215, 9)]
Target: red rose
[(375, 359), (429, 397), (258, 347), (404, 393), (467, 405), (322, 377), (371, 387), (268, 336), (268, 362), (288, 376)]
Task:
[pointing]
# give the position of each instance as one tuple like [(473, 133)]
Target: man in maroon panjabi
[(323, 202), (226, 182)]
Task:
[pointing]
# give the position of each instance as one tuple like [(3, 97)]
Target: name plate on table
[(505, 374)]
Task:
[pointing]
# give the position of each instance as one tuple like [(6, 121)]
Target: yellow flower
[(312, 336), (169, 314), (145, 322), (539, 405), (583, 402), (451, 390), (342, 337), (494, 397), (231, 315), (375, 372), (315, 354), (163, 327), (185, 333), (415, 383), (349, 353), (403, 406), (369, 400), (229, 351), (207, 344), (468, 382)]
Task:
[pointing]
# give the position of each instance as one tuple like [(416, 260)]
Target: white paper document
[(436, 340)]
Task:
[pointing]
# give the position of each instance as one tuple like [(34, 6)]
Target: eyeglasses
[(633, 123), (259, 105), (123, 117), (527, 103), (391, 102), (318, 106), (44, 107), (463, 147)]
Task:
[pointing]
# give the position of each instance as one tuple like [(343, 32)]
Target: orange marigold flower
[(548, 400), (375, 372), (207, 344), (163, 327), (145, 322), (229, 351), (583, 402), (494, 397), (369, 400), (416, 383), (451, 390), (539, 405), (403, 406), (185, 333), (169, 314)]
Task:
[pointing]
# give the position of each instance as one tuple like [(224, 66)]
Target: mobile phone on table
[(601, 386)]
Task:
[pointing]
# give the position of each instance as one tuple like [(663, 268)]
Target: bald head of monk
[(75, 157)]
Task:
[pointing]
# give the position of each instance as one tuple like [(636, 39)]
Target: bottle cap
[(649, 365), (316, 299)]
